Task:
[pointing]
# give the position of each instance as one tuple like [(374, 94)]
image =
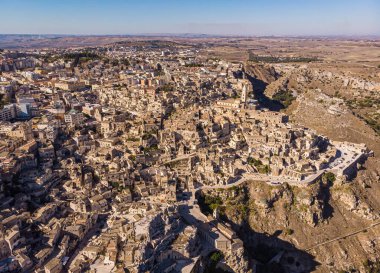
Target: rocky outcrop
[(263, 72), (309, 204), (319, 210), (237, 261), (304, 74), (353, 203)]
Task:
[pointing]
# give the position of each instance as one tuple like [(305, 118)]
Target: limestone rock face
[(237, 261), (366, 212), (354, 204), (347, 198)]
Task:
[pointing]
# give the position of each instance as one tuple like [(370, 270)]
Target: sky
[(219, 17)]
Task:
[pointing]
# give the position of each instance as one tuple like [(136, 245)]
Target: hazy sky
[(243, 17)]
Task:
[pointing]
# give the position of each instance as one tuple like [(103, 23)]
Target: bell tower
[(244, 94)]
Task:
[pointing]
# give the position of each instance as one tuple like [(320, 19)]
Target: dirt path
[(344, 236)]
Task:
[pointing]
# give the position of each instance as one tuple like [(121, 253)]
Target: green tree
[(329, 177), (216, 256)]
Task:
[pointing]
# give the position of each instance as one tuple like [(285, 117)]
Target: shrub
[(254, 162), (146, 136), (216, 257), (329, 177), (115, 185), (288, 231)]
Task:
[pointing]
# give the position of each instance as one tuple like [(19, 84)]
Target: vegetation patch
[(146, 136), (133, 139), (371, 266), (194, 65), (3, 101), (78, 57), (288, 231), (259, 165), (329, 177), (214, 258), (209, 203), (276, 59), (284, 97)]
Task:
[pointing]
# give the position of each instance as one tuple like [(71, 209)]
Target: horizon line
[(163, 34)]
